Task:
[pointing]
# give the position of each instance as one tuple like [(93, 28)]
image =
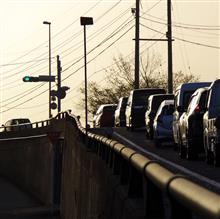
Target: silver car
[(162, 126)]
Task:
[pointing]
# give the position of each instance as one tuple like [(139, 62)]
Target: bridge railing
[(165, 194), (38, 124)]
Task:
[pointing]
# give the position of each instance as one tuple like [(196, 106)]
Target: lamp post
[(49, 23), (86, 21)]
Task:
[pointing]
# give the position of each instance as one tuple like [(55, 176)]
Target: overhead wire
[(188, 41), (98, 54), (69, 74)]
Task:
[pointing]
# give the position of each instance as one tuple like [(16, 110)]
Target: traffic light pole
[(137, 17), (169, 39), (50, 115), (58, 82)]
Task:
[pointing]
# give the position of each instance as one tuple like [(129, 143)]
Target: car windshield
[(22, 121), (157, 100), (140, 97), (109, 108)]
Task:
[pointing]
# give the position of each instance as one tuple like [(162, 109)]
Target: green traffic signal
[(26, 79), (30, 79)]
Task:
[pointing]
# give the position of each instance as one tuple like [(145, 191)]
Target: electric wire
[(71, 73), (188, 41)]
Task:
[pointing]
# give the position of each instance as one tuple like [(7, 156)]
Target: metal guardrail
[(39, 124), (147, 179)]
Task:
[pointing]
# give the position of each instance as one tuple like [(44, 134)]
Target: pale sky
[(24, 45)]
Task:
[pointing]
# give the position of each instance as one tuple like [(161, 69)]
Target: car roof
[(193, 85), (145, 89), (159, 95)]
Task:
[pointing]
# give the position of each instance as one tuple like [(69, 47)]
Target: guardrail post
[(179, 211), (116, 163), (135, 187), (124, 172)]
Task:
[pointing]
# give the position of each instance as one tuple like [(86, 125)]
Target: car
[(137, 105), (154, 102), (104, 116), (211, 125), (162, 125), (17, 124), (120, 112), (191, 126), (181, 101)]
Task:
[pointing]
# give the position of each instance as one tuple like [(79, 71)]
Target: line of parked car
[(190, 118)]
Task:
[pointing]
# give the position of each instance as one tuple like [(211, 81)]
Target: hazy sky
[(24, 45)]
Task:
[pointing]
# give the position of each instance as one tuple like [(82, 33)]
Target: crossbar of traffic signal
[(43, 78), (30, 79)]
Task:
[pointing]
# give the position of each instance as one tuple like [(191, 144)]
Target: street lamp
[(49, 23), (85, 21)]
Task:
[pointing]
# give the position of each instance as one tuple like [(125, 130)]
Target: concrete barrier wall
[(28, 162), (89, 189)]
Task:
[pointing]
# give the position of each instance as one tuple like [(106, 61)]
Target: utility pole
[(137, 24), (169, 37), (59, 69)]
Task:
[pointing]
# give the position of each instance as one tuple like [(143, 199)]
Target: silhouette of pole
[(137, 16), (169, 37), (49, 23), (86, 21)]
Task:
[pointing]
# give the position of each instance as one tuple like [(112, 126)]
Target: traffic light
[(30, 79), (61, 93), (43, 78)]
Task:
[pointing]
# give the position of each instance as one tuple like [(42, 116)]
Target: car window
[(168, 110), (109, 108), (186, 98), (140, 99), (202, 100), (22, 121), (215, 96)]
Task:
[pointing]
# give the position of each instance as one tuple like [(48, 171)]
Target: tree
[(120, 78)]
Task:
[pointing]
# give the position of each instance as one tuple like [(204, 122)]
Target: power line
[(181, 26), (188, 25), (188, 41)]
